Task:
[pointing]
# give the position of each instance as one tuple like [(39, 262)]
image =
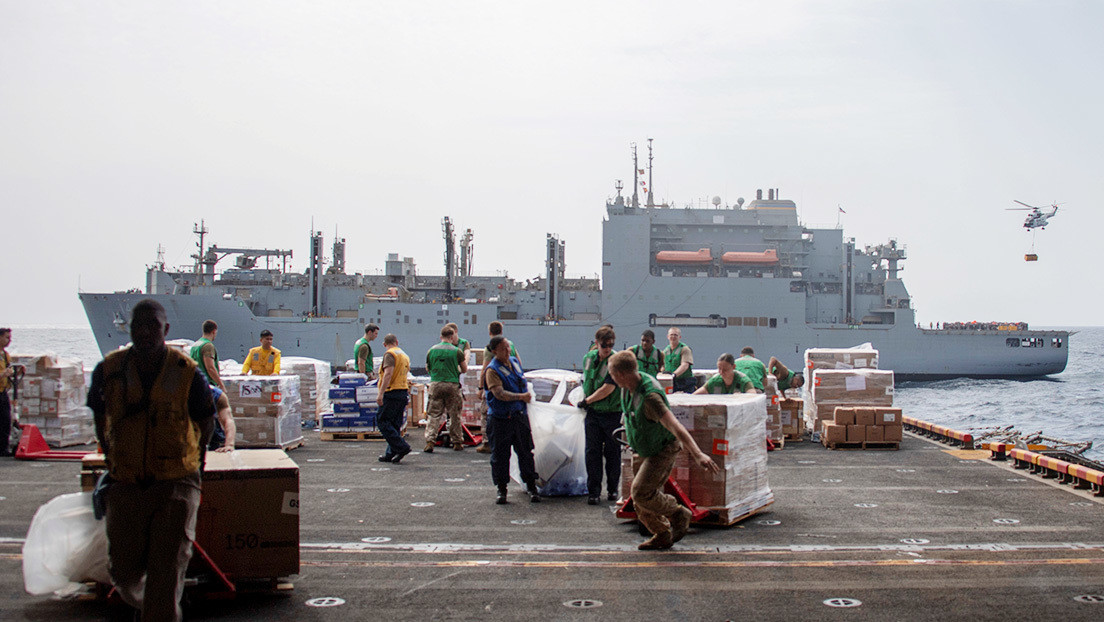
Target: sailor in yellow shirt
[(264, 360)]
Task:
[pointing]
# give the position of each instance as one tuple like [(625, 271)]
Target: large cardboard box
[(843, 415), (856, 433), (875, 433), (841, 358), (249, 514), (792, 423), (314, 383), (892, 433), (888, 416), (833, 434), (864, 416)]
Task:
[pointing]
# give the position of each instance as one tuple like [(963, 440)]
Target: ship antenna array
[(636, 178), (651, 189)]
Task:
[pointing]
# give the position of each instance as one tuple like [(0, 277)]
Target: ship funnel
[(759, 194)]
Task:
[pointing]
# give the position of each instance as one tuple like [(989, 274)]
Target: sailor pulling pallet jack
[(657, 437)]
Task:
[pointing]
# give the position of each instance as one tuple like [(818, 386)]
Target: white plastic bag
[(559, 454), (65, 545)]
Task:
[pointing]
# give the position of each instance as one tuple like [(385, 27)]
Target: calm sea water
[(1069, 405)]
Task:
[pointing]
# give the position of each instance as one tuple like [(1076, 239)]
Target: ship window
[(1056, 342), (419, 320), (440, 321), (1012, 342), (465, 321), (763, 322), (397, 312), (406, 319), (473, 319), (774, 322), (440, 313), (465, 314), (735, 321)]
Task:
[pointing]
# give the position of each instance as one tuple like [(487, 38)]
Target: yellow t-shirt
[(262, 362)]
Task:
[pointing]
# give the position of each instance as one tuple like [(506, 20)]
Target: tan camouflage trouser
[(444, 399), (654, 507)]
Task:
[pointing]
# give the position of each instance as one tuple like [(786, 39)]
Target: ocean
[(1069, 405)]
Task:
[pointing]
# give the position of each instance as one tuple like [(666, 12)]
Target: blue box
[(346, 408), (343, 393), (352, 380)]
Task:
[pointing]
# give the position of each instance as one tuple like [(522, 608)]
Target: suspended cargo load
[(764, 258), (702, 255)]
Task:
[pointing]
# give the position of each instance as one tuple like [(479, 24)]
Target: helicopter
[(1037, 217)]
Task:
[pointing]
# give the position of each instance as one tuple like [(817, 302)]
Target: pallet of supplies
[(793, 425), (856, 427), (267, 411), (774, 411), (52, 397), (859, 357), (829, 388), (472, 394), (314, 384), (547, 383), (728, 428)]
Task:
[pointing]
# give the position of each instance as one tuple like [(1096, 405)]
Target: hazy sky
[(123, 123)]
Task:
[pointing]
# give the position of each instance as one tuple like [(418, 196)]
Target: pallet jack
[(628, 512), (32, 445), (470, 438)]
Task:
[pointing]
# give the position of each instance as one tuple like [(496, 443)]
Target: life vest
[(646, 437), (595, 372), (716, 384), (149, 437), (672, 358), (5, 362), (262, 362), (197, 356), (362, 342), (650, 364), (513, 380), (443, 363), (402, 368)]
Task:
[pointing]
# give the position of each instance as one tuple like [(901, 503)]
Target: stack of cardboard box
[(846, 387), (728, 428), (774, 411), (793, 425), (469, 388), (314, 384), (267, 410), (546, 383), (354, 405), (52, 396), (872, 426)]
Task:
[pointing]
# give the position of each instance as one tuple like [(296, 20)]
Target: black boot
[(534, 496), (501, 499)]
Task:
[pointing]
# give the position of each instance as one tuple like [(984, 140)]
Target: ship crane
[(247, 257)]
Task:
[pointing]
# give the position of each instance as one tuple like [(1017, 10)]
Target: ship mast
[(200, 230), (450, 255), (651, 189), (636, 179)]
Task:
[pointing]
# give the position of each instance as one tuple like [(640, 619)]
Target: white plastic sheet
[(560, 443), (65, 545)]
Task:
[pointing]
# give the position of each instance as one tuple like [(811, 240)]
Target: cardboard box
[(856, 433), (841, 358), (874, 433), (864, 416), (832, 434), (892, 433), (792, 424), (888, 416), (249, 515), (844, 415)]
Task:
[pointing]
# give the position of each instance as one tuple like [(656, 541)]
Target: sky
[(122, 124)]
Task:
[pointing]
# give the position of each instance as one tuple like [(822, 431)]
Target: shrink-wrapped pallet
[(52, 397), (859, 357), (793, 425), (472, 395), (774, 410), (728, 428), (829, 388), (314, 384), (267, 410)]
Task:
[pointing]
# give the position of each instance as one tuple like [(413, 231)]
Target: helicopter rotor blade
[(1024, 204)]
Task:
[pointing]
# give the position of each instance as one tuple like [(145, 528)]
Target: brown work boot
[(680, 524), (429, 447), (484, 448), (658, 542), (458, 447)]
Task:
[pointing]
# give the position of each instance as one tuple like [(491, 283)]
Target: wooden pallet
[(721, 518), (872, 445), (365, 435)]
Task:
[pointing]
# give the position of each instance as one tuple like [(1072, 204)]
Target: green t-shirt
[(673, 358), (198, 350), (362, 343), (740, 384), (595, 373), (646, 436), (783, 383), (753, 368), (443, 362)]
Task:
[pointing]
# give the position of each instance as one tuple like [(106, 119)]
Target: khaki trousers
[(654, 507), (149, 541), (444, 398)]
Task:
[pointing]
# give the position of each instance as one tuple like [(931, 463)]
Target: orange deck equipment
[(702, 255), (763, 258)]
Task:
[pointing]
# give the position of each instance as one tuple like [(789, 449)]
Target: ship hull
[(913, 353)]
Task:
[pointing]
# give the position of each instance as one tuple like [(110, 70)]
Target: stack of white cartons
[(546, 384), (267, 410), (469, 388), (314, 384), (868, 388), (354, 405), (52, 397), (728, 428), (833, 359)]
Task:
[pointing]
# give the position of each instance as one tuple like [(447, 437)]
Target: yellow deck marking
[(1079, 561), (968, 454)]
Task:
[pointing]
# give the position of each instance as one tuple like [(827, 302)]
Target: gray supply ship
[(732, 276)]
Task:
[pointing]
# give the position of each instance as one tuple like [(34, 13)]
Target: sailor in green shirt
[(787, 378), (603, 417), (362, 351), (752, 367), (678, 360), (445, 362), (657, 438), (648, 358), (463, 344), (206, 357), (727, 380)]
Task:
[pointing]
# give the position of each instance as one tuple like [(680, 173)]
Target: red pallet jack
[(470, 438), (32, 446), (628, 511)]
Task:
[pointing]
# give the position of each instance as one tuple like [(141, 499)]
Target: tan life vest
[(156, 440)]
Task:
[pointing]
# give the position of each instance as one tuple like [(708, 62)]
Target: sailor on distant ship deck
[(264, 360)]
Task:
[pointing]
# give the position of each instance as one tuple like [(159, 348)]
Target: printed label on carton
[(277, 397), (720, 447), (249, 388), (855, 383), (291, 503)]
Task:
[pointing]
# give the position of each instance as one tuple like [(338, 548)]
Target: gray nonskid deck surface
[(910, 533)]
